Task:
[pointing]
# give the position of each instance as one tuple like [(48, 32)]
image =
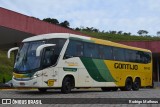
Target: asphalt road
[(84, 93)]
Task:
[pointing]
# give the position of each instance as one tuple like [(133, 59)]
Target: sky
[(107, 15)]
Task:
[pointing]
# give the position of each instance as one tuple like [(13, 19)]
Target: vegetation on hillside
[(120, 37), (6, 67), (108, 35)]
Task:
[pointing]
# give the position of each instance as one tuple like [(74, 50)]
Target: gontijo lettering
[(125, 66)]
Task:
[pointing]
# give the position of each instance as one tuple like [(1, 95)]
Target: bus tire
[(66, 85), (128, 85), (136, 84), (42, 90), (106, 88)]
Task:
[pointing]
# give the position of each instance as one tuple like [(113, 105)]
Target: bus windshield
[(26, 59)]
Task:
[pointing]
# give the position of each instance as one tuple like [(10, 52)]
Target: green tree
[(158, 33), (51, 20), (88, 29), (65, 24), (78, 29), (142, 32), (125, 33), (112, 32), (129, 33), (95, 30), (119, 32)]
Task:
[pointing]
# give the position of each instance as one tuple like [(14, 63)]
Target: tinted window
[(53, 52), (144, 57), (105, 52), (148, 57), (75, 48), (91, 50), (83, 49), (130, 55), (137, 56), (59, 44), (118, 54), (49, 57)]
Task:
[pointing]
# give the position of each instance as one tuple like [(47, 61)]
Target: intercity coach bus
[(67, 61)]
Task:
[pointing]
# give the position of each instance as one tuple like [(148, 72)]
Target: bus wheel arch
[(136, 84), (68, 83), (128, 84)]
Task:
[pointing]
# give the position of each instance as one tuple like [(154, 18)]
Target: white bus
[(67, 61)]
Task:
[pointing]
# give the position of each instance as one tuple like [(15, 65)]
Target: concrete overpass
[(14, 27)]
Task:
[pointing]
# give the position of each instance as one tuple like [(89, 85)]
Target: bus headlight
[(36, 75)]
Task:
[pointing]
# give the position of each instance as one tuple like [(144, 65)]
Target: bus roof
[(82, 38)]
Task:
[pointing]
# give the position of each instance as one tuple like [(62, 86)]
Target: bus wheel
[(128, 85), (136, 84), (114, 88), (106, 88), (66, 85), (42, 90)]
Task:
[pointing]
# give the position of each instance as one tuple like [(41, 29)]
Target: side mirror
[(41, 47), (10, 50)]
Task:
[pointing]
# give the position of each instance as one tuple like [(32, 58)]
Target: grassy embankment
[(6, 67), (118, 37)]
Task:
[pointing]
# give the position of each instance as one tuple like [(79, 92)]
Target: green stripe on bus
[(97, 70), (103, 69), (70, 69), (92, 69)]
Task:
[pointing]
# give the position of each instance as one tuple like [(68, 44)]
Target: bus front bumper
[(26, 82)]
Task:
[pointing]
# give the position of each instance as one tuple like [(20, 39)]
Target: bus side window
[(48, 58), (95, 51), (140, 57), (87, 50), (118, 54), (79, 47), (148, 57), (101, 52), (127, 55), (57, 49), (108, 52), (145, 57), (71, 49), (138, 60), (130, 55), (91, 50), (74, 49), (137, 56)]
